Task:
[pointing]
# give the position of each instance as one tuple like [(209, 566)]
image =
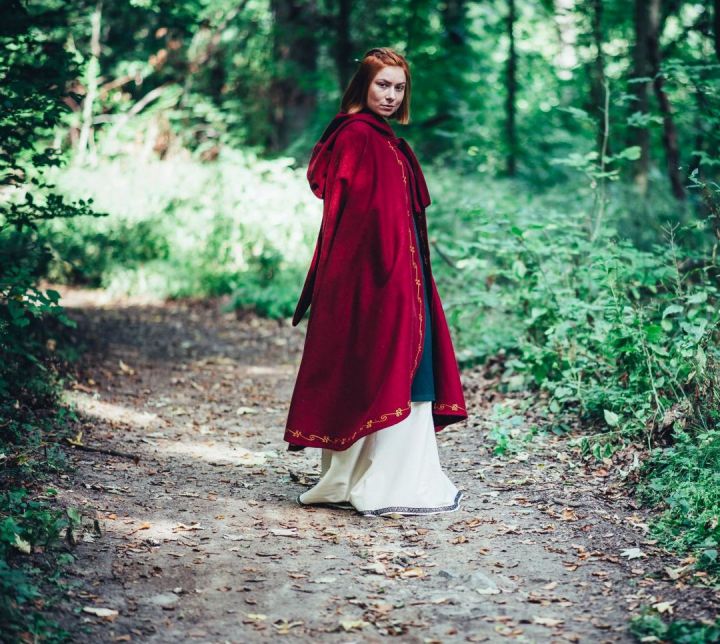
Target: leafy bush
[(181, 227), (622, 333), (27, 525), (650, 625), (34, 67), (613, 332), (684, 481)]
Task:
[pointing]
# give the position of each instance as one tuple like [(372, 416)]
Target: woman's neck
[(367, 110)]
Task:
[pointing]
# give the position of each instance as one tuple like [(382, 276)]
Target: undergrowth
[(683, 481), (239, 226), (650, 627)]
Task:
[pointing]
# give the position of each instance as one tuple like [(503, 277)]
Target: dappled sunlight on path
[(203, 540)]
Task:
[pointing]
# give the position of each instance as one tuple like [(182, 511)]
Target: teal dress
[(423, 385)]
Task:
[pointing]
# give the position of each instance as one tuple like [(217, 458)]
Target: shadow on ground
[(202, 540)]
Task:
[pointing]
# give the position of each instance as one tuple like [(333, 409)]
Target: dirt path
[(202, 539)]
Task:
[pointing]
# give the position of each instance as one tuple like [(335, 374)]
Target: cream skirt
[(395, 470)]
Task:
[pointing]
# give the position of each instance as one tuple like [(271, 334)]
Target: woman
[(378, 374)]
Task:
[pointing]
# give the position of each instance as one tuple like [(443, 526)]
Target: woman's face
[(386, 91)]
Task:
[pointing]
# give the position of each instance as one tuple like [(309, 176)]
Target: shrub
[(181, 227)]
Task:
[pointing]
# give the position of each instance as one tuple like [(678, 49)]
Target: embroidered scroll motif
[(418, 283), (452, 407), (343, 441)]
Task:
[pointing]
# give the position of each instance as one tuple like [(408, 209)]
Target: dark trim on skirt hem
[(345, 505)]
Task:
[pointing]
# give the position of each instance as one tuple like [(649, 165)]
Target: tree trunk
[(511, 91), (456, 54), (597, 72), (716, 27), (85, 140), (642, 71), (295, 50), (343, 44), (669, 137), (453, 17)]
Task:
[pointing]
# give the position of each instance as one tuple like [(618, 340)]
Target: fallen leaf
[(125, 368), (664, 607), (21, 544), (568, 514), (353, 624), (284, 532), (181, 527), (547, 621), (251, 618), (142, 526), (283, 627), (632, 553), (412, 572), (105, 613), (677, 573)]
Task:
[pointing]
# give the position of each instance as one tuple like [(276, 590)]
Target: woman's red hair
[(355, 97)]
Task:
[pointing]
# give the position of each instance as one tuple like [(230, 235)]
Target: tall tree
[(456, 53), (511, 89), (295, 50), (343, 43), (597, 72), (641, 89), (669, 137), (86, 140), (716, 26)]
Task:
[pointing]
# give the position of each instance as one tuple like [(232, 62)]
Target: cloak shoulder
[(338, 156), (332, 174)]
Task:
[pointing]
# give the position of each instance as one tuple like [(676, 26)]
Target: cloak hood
[(322, 153)]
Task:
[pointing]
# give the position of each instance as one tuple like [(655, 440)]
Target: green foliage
[(27, 524), (275, 298), (236, 226), (683, 480), (508, 431), (624, 334), (34, 69), (651, 627), (613, 332)]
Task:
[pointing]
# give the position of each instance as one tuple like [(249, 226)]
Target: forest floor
[(201, 540)]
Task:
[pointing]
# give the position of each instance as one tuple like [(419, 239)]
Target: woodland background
[(159, 147)]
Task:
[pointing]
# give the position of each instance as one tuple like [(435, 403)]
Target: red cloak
[(365, 331)]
